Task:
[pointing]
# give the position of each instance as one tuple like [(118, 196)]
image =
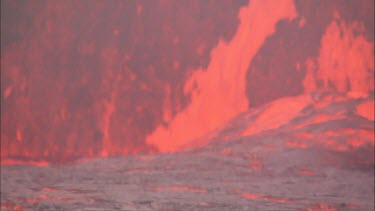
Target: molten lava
[(218, 93), (96, 79)]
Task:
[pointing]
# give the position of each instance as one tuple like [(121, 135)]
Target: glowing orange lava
[(278, 113), (345, 61), (218, 93), (366, 109), (263, 197), (74, 86), (306, 172)]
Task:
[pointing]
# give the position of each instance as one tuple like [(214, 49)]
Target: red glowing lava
[(210, 107), (262, 197), (86, 79), (366, 109), (278, 113), (97, 79), (306, 172)]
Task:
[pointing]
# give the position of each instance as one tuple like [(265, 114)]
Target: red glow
[(12, 207), (278, 113), (144, 158), (227, 152), (88, 79), (252, 196), (31, 201), (256, 165), (320, 118), (225, 74), (111, 90), (304, 136), (259, 196), (228, 104), (9, 162), (345, 60), (306, 172), (367, 135), (280, 200), (366, 109), (49, 189)]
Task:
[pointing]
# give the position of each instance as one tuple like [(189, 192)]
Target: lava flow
[(84, 79)]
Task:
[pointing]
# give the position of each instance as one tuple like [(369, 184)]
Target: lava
[(366, 109), (306, 172), (93, 79), (350, 55), (147, 100), (98, 79), (209, 107), (278, 113), (248, 195)]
